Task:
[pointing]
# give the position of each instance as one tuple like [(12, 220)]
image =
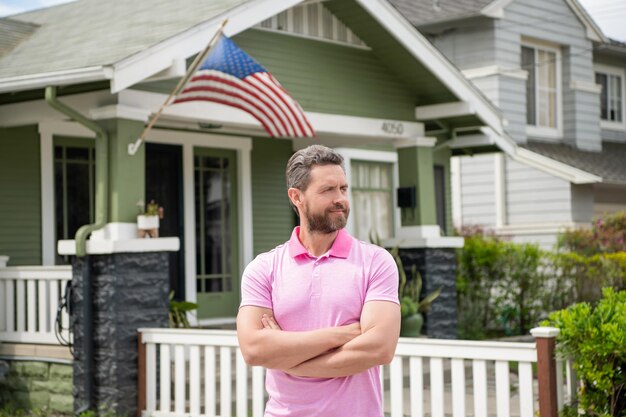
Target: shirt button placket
[(316, 280)]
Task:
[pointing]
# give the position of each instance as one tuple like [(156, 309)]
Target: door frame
[(243, 147)]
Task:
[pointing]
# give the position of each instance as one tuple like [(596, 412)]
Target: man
[(321, 311)]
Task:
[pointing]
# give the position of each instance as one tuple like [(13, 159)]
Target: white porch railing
[(29, 298), (202, 373)]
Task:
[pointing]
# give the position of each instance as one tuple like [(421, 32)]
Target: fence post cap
[(4, 260), (545, 332)]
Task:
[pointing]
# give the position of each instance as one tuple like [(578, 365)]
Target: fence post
[(546, 370), (141, 374)]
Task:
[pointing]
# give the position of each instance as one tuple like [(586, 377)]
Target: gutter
[(102, 185)]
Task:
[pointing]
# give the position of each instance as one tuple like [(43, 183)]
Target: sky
[(609, 15)]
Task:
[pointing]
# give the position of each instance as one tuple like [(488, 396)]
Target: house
[(559, 84), (370, 84)]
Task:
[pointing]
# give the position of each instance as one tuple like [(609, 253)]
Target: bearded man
[(320, 311)]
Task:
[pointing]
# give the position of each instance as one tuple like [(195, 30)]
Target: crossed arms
[(324, 353)]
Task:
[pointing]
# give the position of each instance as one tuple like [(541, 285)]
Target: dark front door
[(164, 185)]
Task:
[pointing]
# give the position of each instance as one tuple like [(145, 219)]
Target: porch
[(195, 372)]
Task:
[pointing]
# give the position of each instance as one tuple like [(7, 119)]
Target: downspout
[(102, 178), (83, 232)]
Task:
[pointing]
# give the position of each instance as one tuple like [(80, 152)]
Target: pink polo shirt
[(306, 293)]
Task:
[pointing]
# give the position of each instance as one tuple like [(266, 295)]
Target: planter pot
[(411, 326), (148, 225)]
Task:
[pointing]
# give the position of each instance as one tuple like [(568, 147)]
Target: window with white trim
[(611, 95), (372, 199), (542, 87)]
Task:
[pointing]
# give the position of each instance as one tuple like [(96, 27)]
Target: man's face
[(325, 203)]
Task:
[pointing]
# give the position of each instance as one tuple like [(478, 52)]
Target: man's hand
[(263, 343), (380, 321)]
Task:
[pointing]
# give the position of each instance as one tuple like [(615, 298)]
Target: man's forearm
[(358, 355), (277, 349)]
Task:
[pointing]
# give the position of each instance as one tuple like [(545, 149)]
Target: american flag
[(230, 76)]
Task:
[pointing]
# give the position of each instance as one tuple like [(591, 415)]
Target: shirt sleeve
[(384, 278), (256, 283)]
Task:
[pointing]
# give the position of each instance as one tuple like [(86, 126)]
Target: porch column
[(419, 237)]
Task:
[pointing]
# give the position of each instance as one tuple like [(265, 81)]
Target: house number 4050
[(395, 128)]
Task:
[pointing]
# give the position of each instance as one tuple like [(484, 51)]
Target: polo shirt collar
[(339, 249)]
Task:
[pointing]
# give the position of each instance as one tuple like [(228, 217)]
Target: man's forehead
[(327, 173)]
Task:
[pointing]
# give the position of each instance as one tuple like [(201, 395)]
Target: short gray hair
[(302, 162)]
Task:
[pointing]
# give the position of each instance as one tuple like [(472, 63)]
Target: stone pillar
[(437, 267), (130, 286)]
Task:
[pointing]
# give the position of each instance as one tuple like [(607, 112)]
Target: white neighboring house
[(560, 84)]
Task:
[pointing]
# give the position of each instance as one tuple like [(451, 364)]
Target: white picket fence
[(190, 373), (29, 298)]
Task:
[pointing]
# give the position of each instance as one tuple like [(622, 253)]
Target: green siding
[(272, 216), (20, 195)]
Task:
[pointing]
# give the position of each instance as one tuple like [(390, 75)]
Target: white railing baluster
[(42, 308), (479, 377), (458, 387), (559, 384), (503, 389), (525, 389), (151, 366), (21, 305), (65, 317), (258, 391), (572, 383), (225, 381), (31, 306), (436, 388), (194, 380), (179, 381), (396, 386), (209, 381), (416, 381), (3, 306), (53, 304), (10, 300), (241, 380), (166, 380)]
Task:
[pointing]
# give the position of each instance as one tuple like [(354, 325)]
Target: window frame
[(544, 131), (619, 72), (362, 155)]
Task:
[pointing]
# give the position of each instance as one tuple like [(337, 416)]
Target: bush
[(595, 338), (607, 235)]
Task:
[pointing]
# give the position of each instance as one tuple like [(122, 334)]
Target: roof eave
[(554, 167), (58, 78)]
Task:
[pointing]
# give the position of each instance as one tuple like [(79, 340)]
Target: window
[(74, 188), (372, 199), (542, 88), (611, 96)]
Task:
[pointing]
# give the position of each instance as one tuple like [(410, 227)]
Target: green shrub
[(606, 235), (595, 338)]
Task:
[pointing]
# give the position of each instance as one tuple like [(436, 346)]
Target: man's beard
[(324, 223)]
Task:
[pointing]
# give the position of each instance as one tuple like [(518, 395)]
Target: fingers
[(269, 322)]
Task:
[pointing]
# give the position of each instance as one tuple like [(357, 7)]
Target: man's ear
[(295, 195)]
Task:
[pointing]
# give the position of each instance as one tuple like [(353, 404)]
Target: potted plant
[(409, 292), (148, 219)]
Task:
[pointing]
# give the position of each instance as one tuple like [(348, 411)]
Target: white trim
[(159, 57), (350, 154), (490, 70), (499, 175), (545, 131), (457, 197), (102, 247), (412, 142), (229, 117), (65, 77), (486, 137), (586, 86), (619, 72), (120, 111), (433, 60), (314, 38), (47, 130), (444, 110), (423, 237), (496, 8), (188, 141), (556, 168)]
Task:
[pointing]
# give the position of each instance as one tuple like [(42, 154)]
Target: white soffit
[(444, 110)]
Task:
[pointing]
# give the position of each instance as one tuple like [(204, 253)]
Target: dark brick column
[(438, 269), (130, 290)]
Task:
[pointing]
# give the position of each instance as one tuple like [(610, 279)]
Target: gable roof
[(12, 33), (428, 12)]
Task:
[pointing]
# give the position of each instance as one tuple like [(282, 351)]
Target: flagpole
[(134, 147)]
